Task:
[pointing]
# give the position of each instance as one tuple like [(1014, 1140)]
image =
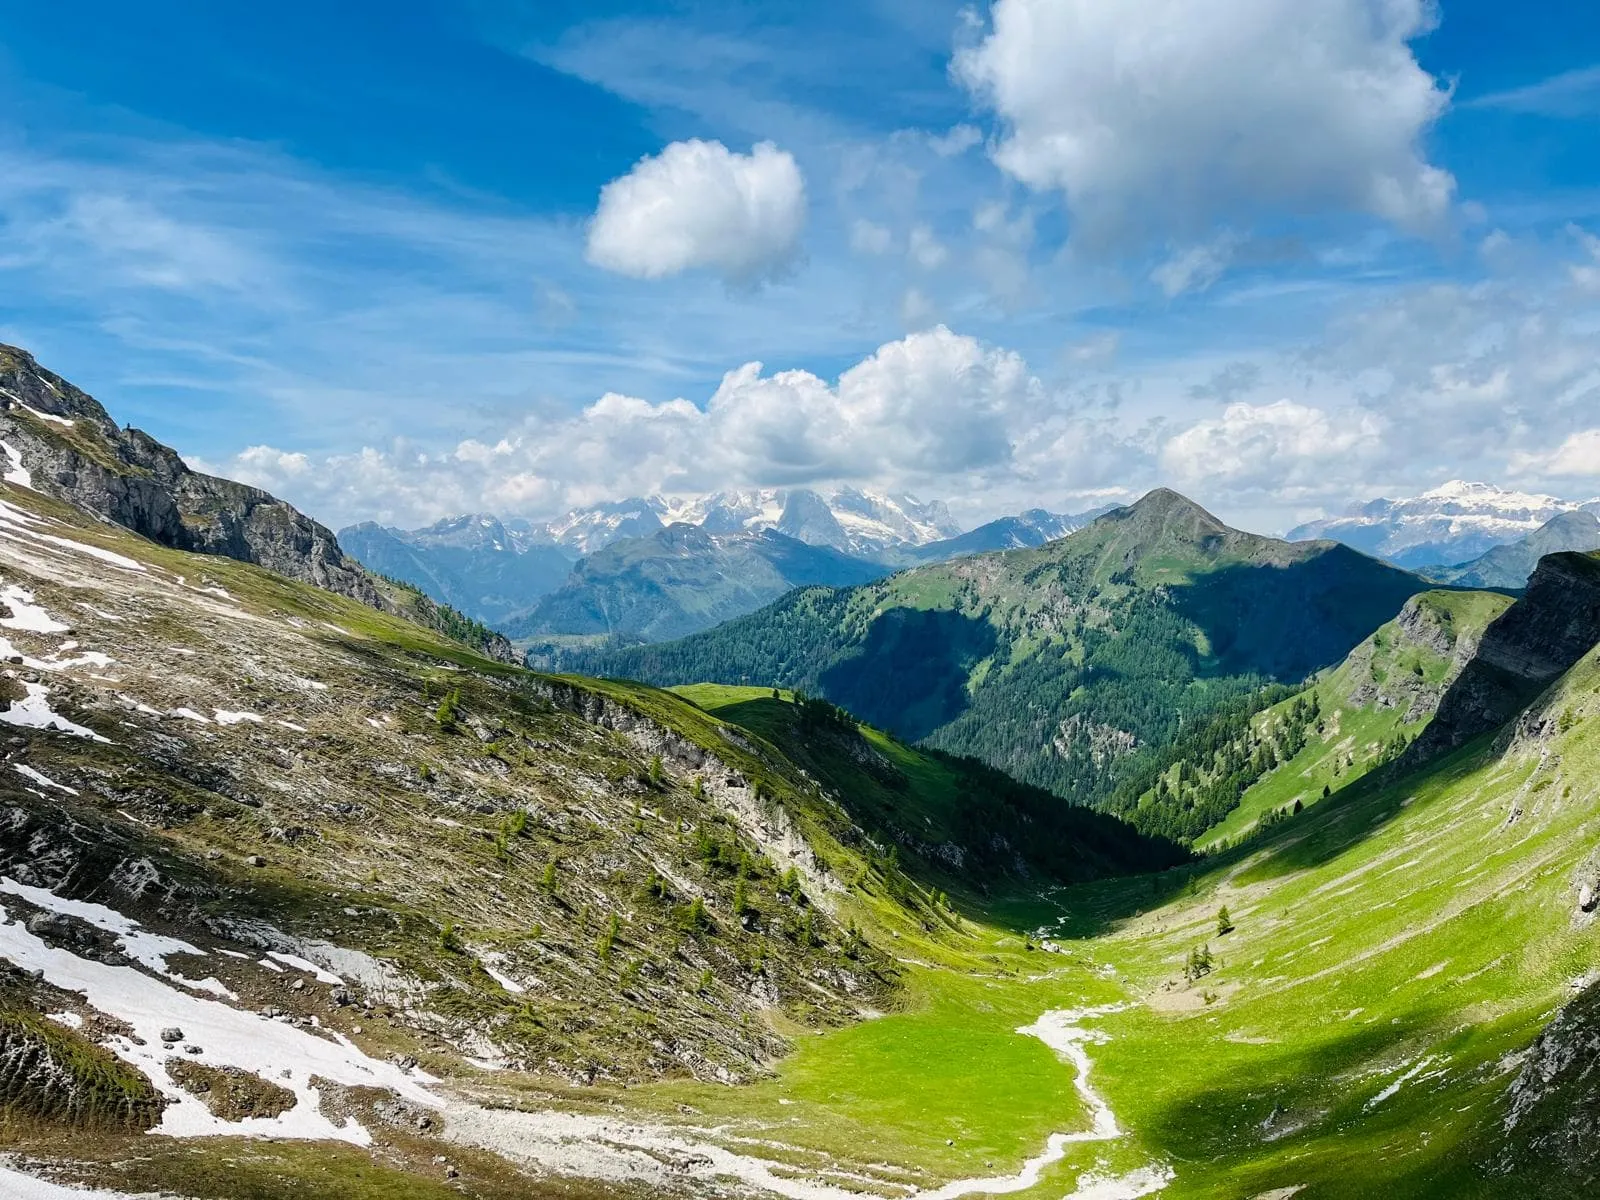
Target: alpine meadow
[(802, 601)]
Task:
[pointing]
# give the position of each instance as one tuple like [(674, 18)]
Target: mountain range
[(1070, 666), (617, 570), (297, 875), (1452, 523), (1510, 565)]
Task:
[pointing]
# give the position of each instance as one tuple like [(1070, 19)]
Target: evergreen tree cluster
[(1206, 772)]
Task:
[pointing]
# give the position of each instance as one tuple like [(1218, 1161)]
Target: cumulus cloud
[(1578, 456), (922, 412), (1283, 446), (698, 204), (1167, 117), (868, 237)]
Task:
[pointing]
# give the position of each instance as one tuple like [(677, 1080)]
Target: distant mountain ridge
[(1069, 665), (501, 571), (1452, 523), (1511, 565), (473, 562), (684, 579)]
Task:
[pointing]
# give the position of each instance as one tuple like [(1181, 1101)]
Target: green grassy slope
[(1057, 664), (1267, 760), (951, 820), (1393, 952)]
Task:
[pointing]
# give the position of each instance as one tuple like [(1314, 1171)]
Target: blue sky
[(400, 260)]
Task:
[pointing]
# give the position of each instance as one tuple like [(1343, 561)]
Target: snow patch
[(1144, 1181), (148, 949), (305, 964), (25, 613), (224, 717), (16, 1185), (33, 711), (18, 524), (40, 777), (283, 1054), (18, 474), (1416, 1069)]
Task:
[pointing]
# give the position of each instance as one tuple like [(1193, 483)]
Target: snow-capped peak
[(852, 520), (1454, 522)]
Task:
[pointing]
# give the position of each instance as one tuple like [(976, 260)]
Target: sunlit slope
[(1070, 666), (1365, 710), (1394, 950)]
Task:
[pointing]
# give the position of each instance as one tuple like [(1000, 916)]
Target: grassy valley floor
[(1394, 952)]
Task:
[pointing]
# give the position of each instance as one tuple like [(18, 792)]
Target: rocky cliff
[(1553, 1105), (1537, 639), (59, 440)]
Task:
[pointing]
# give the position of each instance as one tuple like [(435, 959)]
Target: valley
[(303, 897)]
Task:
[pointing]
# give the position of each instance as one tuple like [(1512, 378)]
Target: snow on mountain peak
[(1454, 522)]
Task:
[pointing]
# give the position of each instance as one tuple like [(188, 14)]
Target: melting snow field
[(33, 711), (223, 1036), (14, 1185)]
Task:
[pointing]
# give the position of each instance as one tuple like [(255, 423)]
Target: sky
[(396, 262)]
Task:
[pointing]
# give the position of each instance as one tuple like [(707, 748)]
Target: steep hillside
[(956, 819), (227, 794), (1065, 666), (1521, 653), (1263, 761), (681, 581), (59, 441), (473, 563), (1511, 565)]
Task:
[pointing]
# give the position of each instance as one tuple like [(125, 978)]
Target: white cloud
[(1284, 446), (867, 237), (920, 412), (698, 204), (958, 140), (1166, 117), (926, 250), (1570, 94), (1576, 457)]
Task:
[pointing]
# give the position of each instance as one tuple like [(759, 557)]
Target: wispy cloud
[(1570, 95)]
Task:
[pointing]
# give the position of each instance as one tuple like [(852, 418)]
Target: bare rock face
[(1532, 643), (1554, 1102), (66, 445), (73, 450)]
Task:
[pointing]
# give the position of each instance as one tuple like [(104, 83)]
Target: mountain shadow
[(1285, 621), (910, 673)]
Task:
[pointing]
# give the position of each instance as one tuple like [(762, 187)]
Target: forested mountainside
[(61, 441), (682, 580), (1067, 666), (1279, 751)]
